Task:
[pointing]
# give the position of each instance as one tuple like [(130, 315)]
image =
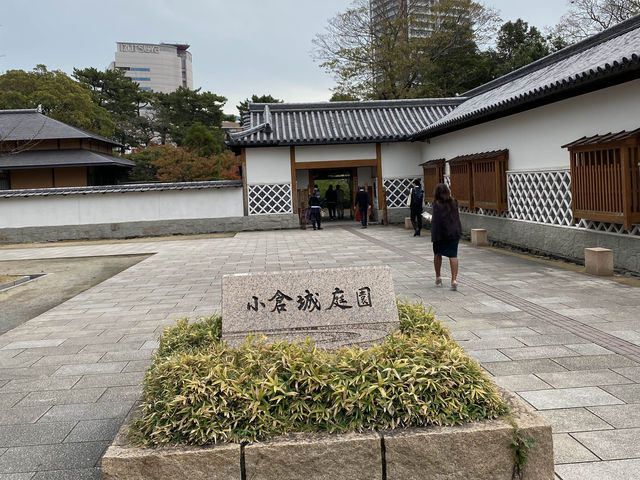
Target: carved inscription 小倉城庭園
[(310, 302)]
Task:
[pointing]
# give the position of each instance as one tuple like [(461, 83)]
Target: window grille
[(479, 180), (396, 191), (269, 199), (433, 172), (605, 178), (540, 196)]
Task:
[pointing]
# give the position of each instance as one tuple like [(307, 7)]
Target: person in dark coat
[(362, 202), (417, 201), (446, 230), (315, 205), (340, 202), (332, 199)]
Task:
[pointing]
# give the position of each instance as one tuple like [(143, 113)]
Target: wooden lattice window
[(433, 172), (605, 178), (480, 180)]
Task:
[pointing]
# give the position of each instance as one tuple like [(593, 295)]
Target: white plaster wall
[(534, 137), (365, 176), (90, 209), (268, 165), (401, 160), (332, 153)]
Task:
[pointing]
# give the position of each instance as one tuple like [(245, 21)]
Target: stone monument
[(333, 307)]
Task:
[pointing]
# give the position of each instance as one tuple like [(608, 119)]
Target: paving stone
[(521, 367), (94, 430), (52, 457), (34, 371), (518, 383), (589, 349), (17, 415), (490, 343), (487, 356), (61, 397), (33, 433), (582, 378), (54, 342), (126, 356), (569, 398), (84, 474), (569, 420), (110, 380), (627, 393), (137, 366), (10, 399), (595, 362), (90, 368), (17, 476), (87, 411), (611, 444), (39, 385), (568, 450), (558, 339), (69, 359), (613, 470), (632, 373), (529, 353), (117, 394), (620, 416)]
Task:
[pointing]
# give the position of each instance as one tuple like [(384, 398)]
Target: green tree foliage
[(122, 98), (339, 96), (244, 105), (145, 169), (175, 112), (205, 141), (587, 17), (376, 55), (59, 97), (518, 45)]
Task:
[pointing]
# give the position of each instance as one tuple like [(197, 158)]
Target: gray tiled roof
[(29, 124), (338, 122), (610, 56), (143, 187), (60, 158)]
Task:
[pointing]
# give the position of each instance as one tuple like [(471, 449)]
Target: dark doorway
[(323, 178)]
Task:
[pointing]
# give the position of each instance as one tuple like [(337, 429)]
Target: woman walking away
[(445, 232)]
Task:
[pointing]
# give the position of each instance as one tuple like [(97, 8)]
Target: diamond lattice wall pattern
[(265, 199), (543, 196), (397, 190)]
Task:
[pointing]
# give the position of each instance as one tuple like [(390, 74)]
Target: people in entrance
[(315, 205), (362, 202), (331, 202), (340, 202), (445, 233), (417, 201)]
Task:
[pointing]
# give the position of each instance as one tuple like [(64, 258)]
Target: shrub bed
[(200, 391)]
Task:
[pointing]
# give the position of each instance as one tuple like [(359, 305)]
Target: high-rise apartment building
[(422, 18), (159, 67)]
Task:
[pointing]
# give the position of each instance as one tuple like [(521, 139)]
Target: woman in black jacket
[(445, 232)]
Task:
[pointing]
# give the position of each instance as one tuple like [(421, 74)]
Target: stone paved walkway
[(69, 376)]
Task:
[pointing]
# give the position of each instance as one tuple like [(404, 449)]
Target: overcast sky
[(239, 47)]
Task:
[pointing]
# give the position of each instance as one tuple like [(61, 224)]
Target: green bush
[(205, 392)]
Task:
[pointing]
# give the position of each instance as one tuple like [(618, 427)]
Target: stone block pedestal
[(407, 223), (479, 237), (598, 261)]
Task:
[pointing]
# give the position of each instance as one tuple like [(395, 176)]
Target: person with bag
[(315, 206), (362, 201), (415, 202), (446, 230)]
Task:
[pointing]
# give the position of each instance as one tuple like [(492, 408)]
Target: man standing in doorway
[(340, 202), (417, 200), (331, 202), (315, 204), (362, 202)]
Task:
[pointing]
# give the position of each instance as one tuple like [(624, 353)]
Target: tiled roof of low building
[(61, 158), (338, 122), (606, 138), (610, 57), (142, 187), (479, 156), (31, 125)]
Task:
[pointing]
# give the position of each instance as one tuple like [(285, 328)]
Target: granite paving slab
[(614, 470), (518, 383), (612, 444), (620, 416), (569, 420), (568, 450), (627, 393), (569, 398), (582, 378)]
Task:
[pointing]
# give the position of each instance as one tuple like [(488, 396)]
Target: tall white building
[(422, 18), (159, 67)]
